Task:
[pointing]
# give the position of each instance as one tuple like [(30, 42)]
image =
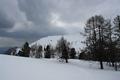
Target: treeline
[(61, 51), (102, 40)]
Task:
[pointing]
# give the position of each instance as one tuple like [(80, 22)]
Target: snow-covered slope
[(18, 68), (74, 39)]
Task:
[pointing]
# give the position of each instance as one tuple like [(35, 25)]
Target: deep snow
[(19, 68)]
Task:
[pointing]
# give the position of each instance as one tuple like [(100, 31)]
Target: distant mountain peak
[(74, 39)]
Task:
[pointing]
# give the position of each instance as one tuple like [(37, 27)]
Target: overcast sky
[(29, 20)]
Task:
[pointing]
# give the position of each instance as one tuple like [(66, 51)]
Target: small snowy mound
[(74, 39)]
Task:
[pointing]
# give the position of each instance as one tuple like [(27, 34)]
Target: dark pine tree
[(39, 52), (72, 53), (47, 52), (26, 50)]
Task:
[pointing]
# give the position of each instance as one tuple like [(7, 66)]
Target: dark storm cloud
[(38, 12), (5, 23), (29, 20), (24, 11)]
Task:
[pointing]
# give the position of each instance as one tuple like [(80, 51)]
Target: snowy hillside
[(74, 39), (19, 68)]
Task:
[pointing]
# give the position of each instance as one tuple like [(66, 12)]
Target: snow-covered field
[(19, 68)]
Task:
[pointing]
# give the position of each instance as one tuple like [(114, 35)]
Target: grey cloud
[(29, 20), (5, 23)]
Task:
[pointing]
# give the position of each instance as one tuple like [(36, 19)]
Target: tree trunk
[(101, 65), (115, 66), (66, 60)]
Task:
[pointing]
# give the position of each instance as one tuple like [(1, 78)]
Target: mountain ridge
[(74, 39)]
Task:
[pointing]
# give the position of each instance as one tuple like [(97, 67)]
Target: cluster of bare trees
[(102, 40), (62, 50), (36, 51)]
